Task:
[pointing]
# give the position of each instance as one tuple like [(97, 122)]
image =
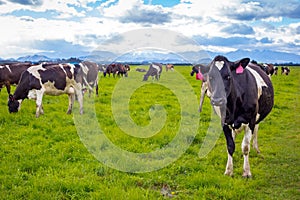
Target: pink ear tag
[(239, 70), (199, 76)]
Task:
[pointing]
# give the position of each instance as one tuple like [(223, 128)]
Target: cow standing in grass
[(169, 67), (244, 95), (10, 74), (90, 78), (54, 80), (154, 70), (285, 70), (203, 91)]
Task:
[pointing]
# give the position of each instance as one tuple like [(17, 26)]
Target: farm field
[(47, 158)]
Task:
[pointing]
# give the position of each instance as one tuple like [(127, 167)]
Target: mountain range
[(264, 56)]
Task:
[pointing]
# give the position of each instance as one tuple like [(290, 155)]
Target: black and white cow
[(90, 77), (204, 88), (154, 70), (285, 70), (10, 74), (54, 80), (244, 95)]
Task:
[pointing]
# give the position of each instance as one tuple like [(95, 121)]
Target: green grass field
[(45, 158)]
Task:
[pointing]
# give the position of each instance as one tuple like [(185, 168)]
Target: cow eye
[(228, 77)]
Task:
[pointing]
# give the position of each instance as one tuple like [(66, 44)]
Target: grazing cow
[(140, 70), (52, 80), (120, 70), (154, 70), (244, 95), (275, 70), (90, 78), (10, 74), (285, 70), (117, 69), (196, 69), (169, 67), (108, 70)]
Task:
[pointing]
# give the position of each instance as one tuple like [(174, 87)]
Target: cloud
[(146, 16), (59, 48), (238, 29), (28, 2)]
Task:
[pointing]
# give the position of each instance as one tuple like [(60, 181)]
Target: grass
[(45, 158)]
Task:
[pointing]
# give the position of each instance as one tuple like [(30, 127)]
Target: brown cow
[(10, 73)]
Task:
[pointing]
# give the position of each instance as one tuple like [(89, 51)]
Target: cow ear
[(204, 69), (240, 65), (243, 62)]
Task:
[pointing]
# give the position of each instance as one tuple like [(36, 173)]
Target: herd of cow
[(240, 92)]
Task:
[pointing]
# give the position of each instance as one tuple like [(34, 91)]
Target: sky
[(71, 28)]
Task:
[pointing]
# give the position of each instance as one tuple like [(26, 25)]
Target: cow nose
[(217, 102)]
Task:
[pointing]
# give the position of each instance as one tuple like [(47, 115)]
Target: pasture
[(45, 158)]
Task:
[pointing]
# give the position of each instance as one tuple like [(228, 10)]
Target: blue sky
[(68, 28)]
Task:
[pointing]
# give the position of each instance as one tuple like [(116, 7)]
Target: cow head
[(13, 104), (196, 70), (219, 77)]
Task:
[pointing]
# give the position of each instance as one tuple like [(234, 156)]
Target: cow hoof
[(247, 175), (228, 173)]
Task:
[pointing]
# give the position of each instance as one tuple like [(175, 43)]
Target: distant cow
[(285, 70), (204, 87), (117, 69), (169, 67), (154, 70), (267, 68), (120, 70), (10, 74), (51, 80), (90, 77), (275, 70), (244, 95), (140, 70)]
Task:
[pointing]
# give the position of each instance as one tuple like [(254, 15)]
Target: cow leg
[(255, 135), (39, 99), (203, 91), (80, 99), (71, 103), (246, 151), (97, 88), (230, 150)]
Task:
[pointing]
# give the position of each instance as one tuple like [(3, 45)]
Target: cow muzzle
[(218, 102)]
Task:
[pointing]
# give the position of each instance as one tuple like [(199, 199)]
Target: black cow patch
[(55, 75)]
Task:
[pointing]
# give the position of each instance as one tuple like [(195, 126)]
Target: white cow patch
[(259, 81), (219, 64), (34, 71), (32, 94), (156, 67), (7, 66)]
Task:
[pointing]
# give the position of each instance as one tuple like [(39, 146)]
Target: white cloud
[(73, 23)]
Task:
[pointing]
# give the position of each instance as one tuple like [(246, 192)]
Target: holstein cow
[(285, 70), (203, 91), (169, 67), (244, 95), (267, 68), (154, 70), (51, 80), (275, 70), (90, 77), (10, 74)]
